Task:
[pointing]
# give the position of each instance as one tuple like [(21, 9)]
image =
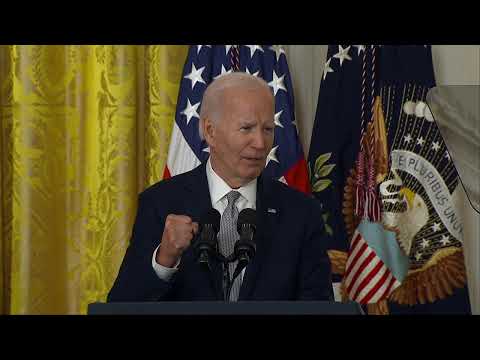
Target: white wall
[(453, 65), (456, 64)]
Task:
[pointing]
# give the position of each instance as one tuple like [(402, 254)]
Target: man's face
[(241, 140)]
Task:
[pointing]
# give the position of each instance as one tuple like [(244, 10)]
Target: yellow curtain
[(84, 129)]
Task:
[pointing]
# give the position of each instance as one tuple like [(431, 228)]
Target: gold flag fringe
[(434, 281), (338, 260), (348, 210), (379, 308)]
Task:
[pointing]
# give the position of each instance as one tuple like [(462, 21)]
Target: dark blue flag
[(415, 180)]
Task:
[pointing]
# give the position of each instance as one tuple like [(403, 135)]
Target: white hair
[(213, 96)]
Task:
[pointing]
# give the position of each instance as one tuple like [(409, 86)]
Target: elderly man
[(237, 122)]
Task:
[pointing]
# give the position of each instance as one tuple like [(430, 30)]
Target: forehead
[(255, 98)]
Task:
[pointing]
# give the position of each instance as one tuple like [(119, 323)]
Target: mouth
[(254, 159)]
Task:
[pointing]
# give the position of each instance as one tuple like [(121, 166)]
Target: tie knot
[(232, 196)]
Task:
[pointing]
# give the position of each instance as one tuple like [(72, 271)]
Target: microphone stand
[(227, 283), (244, 251)]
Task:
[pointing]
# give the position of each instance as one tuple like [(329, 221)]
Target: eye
[(246, 128), (269, 130)]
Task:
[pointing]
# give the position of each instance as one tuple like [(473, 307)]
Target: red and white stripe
[(367, 278), (181, 157)]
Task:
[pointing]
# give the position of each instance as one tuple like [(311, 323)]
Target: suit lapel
[(197, 201), (268, 213)]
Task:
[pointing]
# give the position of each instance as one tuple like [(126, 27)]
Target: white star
[(435, 146), (407, 138), (254, 48), (360, 48), (418, 256), (420, 141), (196, 75), (327, 69), (272, 156), (342, 54), (277, 119), (277, 83), (223, 72), (191, 111), (248, 72), (278, 50), (207, 149), (425, 243), (199, 47), (436, 227), (447, 155), (445, 240), (227, 48)]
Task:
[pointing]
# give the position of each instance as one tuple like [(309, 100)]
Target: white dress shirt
[(218, 191)]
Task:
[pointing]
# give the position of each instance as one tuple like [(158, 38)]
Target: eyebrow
[(247, 122)]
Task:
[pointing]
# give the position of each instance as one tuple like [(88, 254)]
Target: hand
[(177, 235)]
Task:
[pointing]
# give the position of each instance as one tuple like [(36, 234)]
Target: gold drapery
[(84, 129)]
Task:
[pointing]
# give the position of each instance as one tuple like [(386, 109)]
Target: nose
[(259, 140)]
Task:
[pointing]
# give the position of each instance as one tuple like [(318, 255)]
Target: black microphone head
[(205, 244), (247, 217), (211, 217), (245, 248)]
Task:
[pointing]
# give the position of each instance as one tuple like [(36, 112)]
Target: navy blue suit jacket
[(290, 263)]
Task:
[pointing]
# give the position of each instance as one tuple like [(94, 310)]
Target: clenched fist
[(177, 235)]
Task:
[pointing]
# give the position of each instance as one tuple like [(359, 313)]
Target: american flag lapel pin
[(272, 211)]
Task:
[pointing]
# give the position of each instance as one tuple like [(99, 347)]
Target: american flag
[(370, 273), (204, 64)]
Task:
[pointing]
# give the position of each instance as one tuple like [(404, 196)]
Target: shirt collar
[(219, 188)]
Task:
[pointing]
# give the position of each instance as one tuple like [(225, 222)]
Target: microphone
[(244, 248), (246, 226), (206, 244)]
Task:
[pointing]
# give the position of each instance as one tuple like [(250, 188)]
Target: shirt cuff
[(163, 272)]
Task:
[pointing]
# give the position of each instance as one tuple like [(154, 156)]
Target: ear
[(208, 131)]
